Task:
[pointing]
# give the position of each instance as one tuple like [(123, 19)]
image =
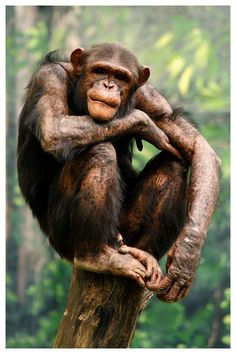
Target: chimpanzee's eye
[(122, 77), (99, 71)]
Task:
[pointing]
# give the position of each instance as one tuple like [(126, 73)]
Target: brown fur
[(76, 172)]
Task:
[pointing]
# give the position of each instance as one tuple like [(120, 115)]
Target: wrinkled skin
[(153, 274), (182, 263), (103, 106), (127, 262), (184, 256), (107, 84), (101, 133)]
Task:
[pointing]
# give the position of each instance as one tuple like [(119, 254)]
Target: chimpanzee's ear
[(76, 58), (144, 73)]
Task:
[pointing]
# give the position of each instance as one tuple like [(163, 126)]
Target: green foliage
[(195, 60), (183, 331), (187, 49), (37, 39), (225, 306), (151, 330), (43, 299), (192, 328)]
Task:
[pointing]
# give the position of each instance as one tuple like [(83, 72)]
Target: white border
[(3, 151)]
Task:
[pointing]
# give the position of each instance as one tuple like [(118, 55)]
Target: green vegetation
[(187, 49)]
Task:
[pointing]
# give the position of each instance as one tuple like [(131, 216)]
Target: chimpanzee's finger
[(174, 152), (170, 257), (164, 285), (159, 278), (149, 267), (135, 276), (153, 283), (172, 293), (159, 270), (141, 271), (183, 292)]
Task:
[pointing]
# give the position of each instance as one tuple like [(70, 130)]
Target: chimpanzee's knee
[(166, 164), (100, 155), (101, 178), (169, 214), (158, 206), (96, 206), (87, 195)]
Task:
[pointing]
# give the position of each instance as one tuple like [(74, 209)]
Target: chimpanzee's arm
[(184, 256), (150, 101), (60, 132)]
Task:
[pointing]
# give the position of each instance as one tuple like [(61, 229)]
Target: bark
[(102, 311)]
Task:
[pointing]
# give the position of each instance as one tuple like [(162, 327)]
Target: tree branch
[(102, 311)]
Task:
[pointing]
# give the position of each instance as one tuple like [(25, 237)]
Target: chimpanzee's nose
[(108, 84)]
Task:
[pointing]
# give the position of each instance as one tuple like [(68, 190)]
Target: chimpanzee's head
[(108, 76)]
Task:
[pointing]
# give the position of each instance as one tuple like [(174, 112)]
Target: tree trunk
[(25, 17), (102, 311)]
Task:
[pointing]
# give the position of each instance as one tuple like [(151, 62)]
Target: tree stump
[(102, 311)]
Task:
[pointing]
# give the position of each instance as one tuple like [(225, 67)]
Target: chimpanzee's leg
[(155, 207), (87, 196)]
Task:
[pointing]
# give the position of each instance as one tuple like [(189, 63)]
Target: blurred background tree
[(187, 49)]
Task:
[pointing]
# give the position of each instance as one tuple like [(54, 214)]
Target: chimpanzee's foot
[(153, 271), (112, 262)]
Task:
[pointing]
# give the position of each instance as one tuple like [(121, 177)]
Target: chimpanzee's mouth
[(109, 104), (109, 100)]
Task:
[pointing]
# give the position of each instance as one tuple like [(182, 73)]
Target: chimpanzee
[(76, 132)]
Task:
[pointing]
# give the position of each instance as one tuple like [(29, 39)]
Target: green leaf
[(176, 65), (164, 40), (202, 54), (185, 79), (226, 340), (226, 320)]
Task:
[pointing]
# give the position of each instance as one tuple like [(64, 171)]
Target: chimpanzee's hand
[(182, 263), (154, 135), (153, 271)]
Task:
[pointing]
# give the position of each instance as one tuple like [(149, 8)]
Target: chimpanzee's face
[(108, 87), (107, 82)]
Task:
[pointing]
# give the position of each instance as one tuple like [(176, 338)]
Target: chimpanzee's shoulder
[(50, 74), (52, 67), (55, 56)]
